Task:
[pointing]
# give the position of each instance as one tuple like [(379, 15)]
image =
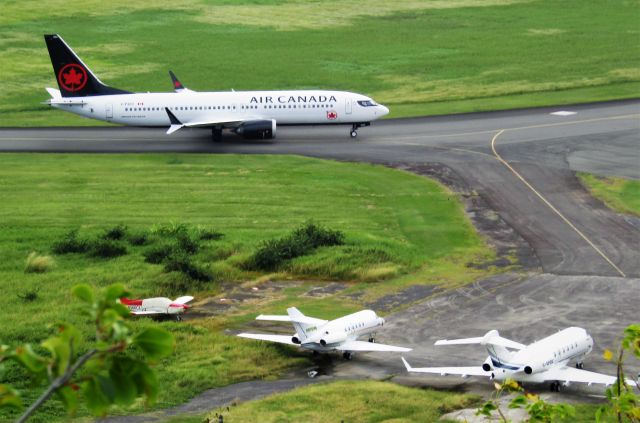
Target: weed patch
[(118, 232), (300, 242), (107, 248), (38, 264), (70, 243), (183, 264)]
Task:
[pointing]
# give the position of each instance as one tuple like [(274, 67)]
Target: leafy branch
[(106, 374)]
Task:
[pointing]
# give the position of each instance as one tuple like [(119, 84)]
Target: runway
[(583, 259)]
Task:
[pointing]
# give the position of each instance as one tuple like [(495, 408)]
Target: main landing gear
[(355, 126), (372, 339), (347, 355), (555, 386), (216, 133), (579, 365)]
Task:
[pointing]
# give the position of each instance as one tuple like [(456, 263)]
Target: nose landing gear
[(355, 126)]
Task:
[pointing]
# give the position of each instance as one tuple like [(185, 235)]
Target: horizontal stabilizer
[(54, 93), (140, 313), (369, 346), (273, 317), (443, 371), (459, 341), (282, 339)]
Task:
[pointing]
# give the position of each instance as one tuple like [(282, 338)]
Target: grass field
[(417, 225), (418, 57), (350, 401), (621, 195)]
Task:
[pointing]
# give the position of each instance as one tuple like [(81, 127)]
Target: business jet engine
[(257, 129), (332, 338)]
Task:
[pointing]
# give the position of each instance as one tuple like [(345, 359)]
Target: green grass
[(350, 401), (414, 225), (621, 195), (418, 57)]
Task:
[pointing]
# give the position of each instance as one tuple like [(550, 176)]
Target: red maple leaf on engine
[(72, 77)]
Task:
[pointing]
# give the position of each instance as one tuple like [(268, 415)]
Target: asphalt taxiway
[(584, 258)]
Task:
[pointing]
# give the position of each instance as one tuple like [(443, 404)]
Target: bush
[(118, 232), (140, 238), (29, 295), (158, 253), (181, 263), (70, 244), (209, 235), (107, 248), (186, 243), (302, 241), (37, 263)]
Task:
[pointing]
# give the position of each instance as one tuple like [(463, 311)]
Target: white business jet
[(157, 306), (543, 361), (323, 336), (250, 114)]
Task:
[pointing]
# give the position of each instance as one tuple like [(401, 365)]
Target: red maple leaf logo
[(177, 84), (332, 115), (72, 77)]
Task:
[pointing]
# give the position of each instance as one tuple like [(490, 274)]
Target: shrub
[(140, 238), (107, 248), (181, 263), (118, 232), (37, 263), (209, 235), (29, 295), (302, 241), (186, 243), (158, 253), (70, 243)]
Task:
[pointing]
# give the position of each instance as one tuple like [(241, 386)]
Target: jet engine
[(533, 368), (332, 338), (257, 129), (295, 340), (487, 366)]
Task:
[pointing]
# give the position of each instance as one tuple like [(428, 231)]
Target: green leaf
[(121, 374), (9, 397), (69, 397), (29, 359), (97, 402), (114, 292), (146, 382), (155, 343), (84, 293), (518, 402)]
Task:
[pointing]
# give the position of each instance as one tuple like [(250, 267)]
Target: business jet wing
[(281, 339), (570, 374), (491, 338), (368, 346), (443, 371), (140, 313)]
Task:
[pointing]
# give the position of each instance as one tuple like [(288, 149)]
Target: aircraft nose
[(385, 110)]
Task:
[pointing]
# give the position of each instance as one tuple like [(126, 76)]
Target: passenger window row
[(154, 109)]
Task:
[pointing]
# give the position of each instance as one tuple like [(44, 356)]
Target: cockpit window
[(367, 103)]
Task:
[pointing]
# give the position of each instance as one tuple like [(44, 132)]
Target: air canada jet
[(324, 336), (250, 114), (158, 306), (543, 361)]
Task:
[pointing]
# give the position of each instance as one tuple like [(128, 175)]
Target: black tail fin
[(74, 78)]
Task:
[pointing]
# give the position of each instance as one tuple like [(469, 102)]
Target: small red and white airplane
[(543, 361), (250, 114), (323, 336), (158, 306)]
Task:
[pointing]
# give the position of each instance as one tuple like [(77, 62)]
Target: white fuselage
[(529, 364), (332, 334), (299, 107)]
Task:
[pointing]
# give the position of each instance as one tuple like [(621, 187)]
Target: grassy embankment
[(418, 57), (367, 402), (621, 195), (415, 224)]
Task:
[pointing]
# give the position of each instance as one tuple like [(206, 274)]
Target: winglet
[(175, 123), (406, 364), (177, 85)]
